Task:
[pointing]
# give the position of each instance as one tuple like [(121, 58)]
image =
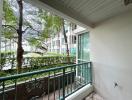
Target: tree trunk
[(20, 50), (66, 42)]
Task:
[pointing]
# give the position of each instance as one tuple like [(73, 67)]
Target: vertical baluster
[(59, 78), (90, 65), (85, 68), (88, 73), (67, 83), (83, 74), (80, 72), (48, 85), (15, 89), (35, 81), (63, 85), (54, 84), (3, 90), (71, 75), (75, 77)]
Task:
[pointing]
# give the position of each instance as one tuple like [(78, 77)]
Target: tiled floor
[(94, 97)]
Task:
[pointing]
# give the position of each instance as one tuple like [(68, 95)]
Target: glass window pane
[(83, 47)]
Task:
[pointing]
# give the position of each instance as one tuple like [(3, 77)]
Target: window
[(74, 26), (83, 47), (53, 43), (73, 39), (62, 41), (58, 43)]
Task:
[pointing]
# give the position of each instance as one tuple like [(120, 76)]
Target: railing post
[(3, 91), (91, 80), (63, 85)]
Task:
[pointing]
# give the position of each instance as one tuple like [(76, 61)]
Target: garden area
[(41, 74), (23, 46), (26, 65), (32, 62)]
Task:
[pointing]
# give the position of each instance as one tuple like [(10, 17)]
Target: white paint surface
[(111, 50)]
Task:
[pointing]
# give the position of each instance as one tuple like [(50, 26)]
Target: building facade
[(57, 43)]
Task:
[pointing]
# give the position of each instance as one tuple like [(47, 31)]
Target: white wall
[(111, 50)]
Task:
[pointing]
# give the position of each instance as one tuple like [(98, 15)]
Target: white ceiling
[(89, 12), (97, 10)]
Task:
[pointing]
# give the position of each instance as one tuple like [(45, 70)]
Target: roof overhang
[(75, 18), (86, 13)]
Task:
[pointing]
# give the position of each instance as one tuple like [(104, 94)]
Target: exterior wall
[(111, 50)]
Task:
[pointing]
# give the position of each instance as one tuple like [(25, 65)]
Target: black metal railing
[(50, 84)]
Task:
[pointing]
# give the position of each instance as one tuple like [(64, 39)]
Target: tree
[(7, 34), (20, 32), (54, 24), (66, 42), (18, 28), (12, 25), (37, 43)]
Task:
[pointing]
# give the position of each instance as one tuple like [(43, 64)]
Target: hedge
[(37, 61)]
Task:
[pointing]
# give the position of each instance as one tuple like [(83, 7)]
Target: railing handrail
[(37, 72)]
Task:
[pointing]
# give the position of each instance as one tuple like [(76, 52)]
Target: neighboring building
[(57, 43)]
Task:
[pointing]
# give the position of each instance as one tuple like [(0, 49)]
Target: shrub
[(5, 56), (3, 74)]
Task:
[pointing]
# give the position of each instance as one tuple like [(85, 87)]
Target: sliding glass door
[(83, 47), (83, 71)]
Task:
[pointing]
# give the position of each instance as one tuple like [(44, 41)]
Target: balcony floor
[(51, 95), (94, 96)]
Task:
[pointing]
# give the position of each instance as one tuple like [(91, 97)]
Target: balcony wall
[(111, 54)]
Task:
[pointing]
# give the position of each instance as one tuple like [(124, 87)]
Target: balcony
[(109, 23), (50, 84)]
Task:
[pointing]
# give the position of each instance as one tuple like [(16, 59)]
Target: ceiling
[(87, 12)]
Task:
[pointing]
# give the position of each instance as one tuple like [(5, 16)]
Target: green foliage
[(8, 33), (33, 42), (7, 53), (29, 69), (4, 56), (37, 42), (9, 16), (2, 73), (53, 54), (48, 60), (52, 23), (37, 62)]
